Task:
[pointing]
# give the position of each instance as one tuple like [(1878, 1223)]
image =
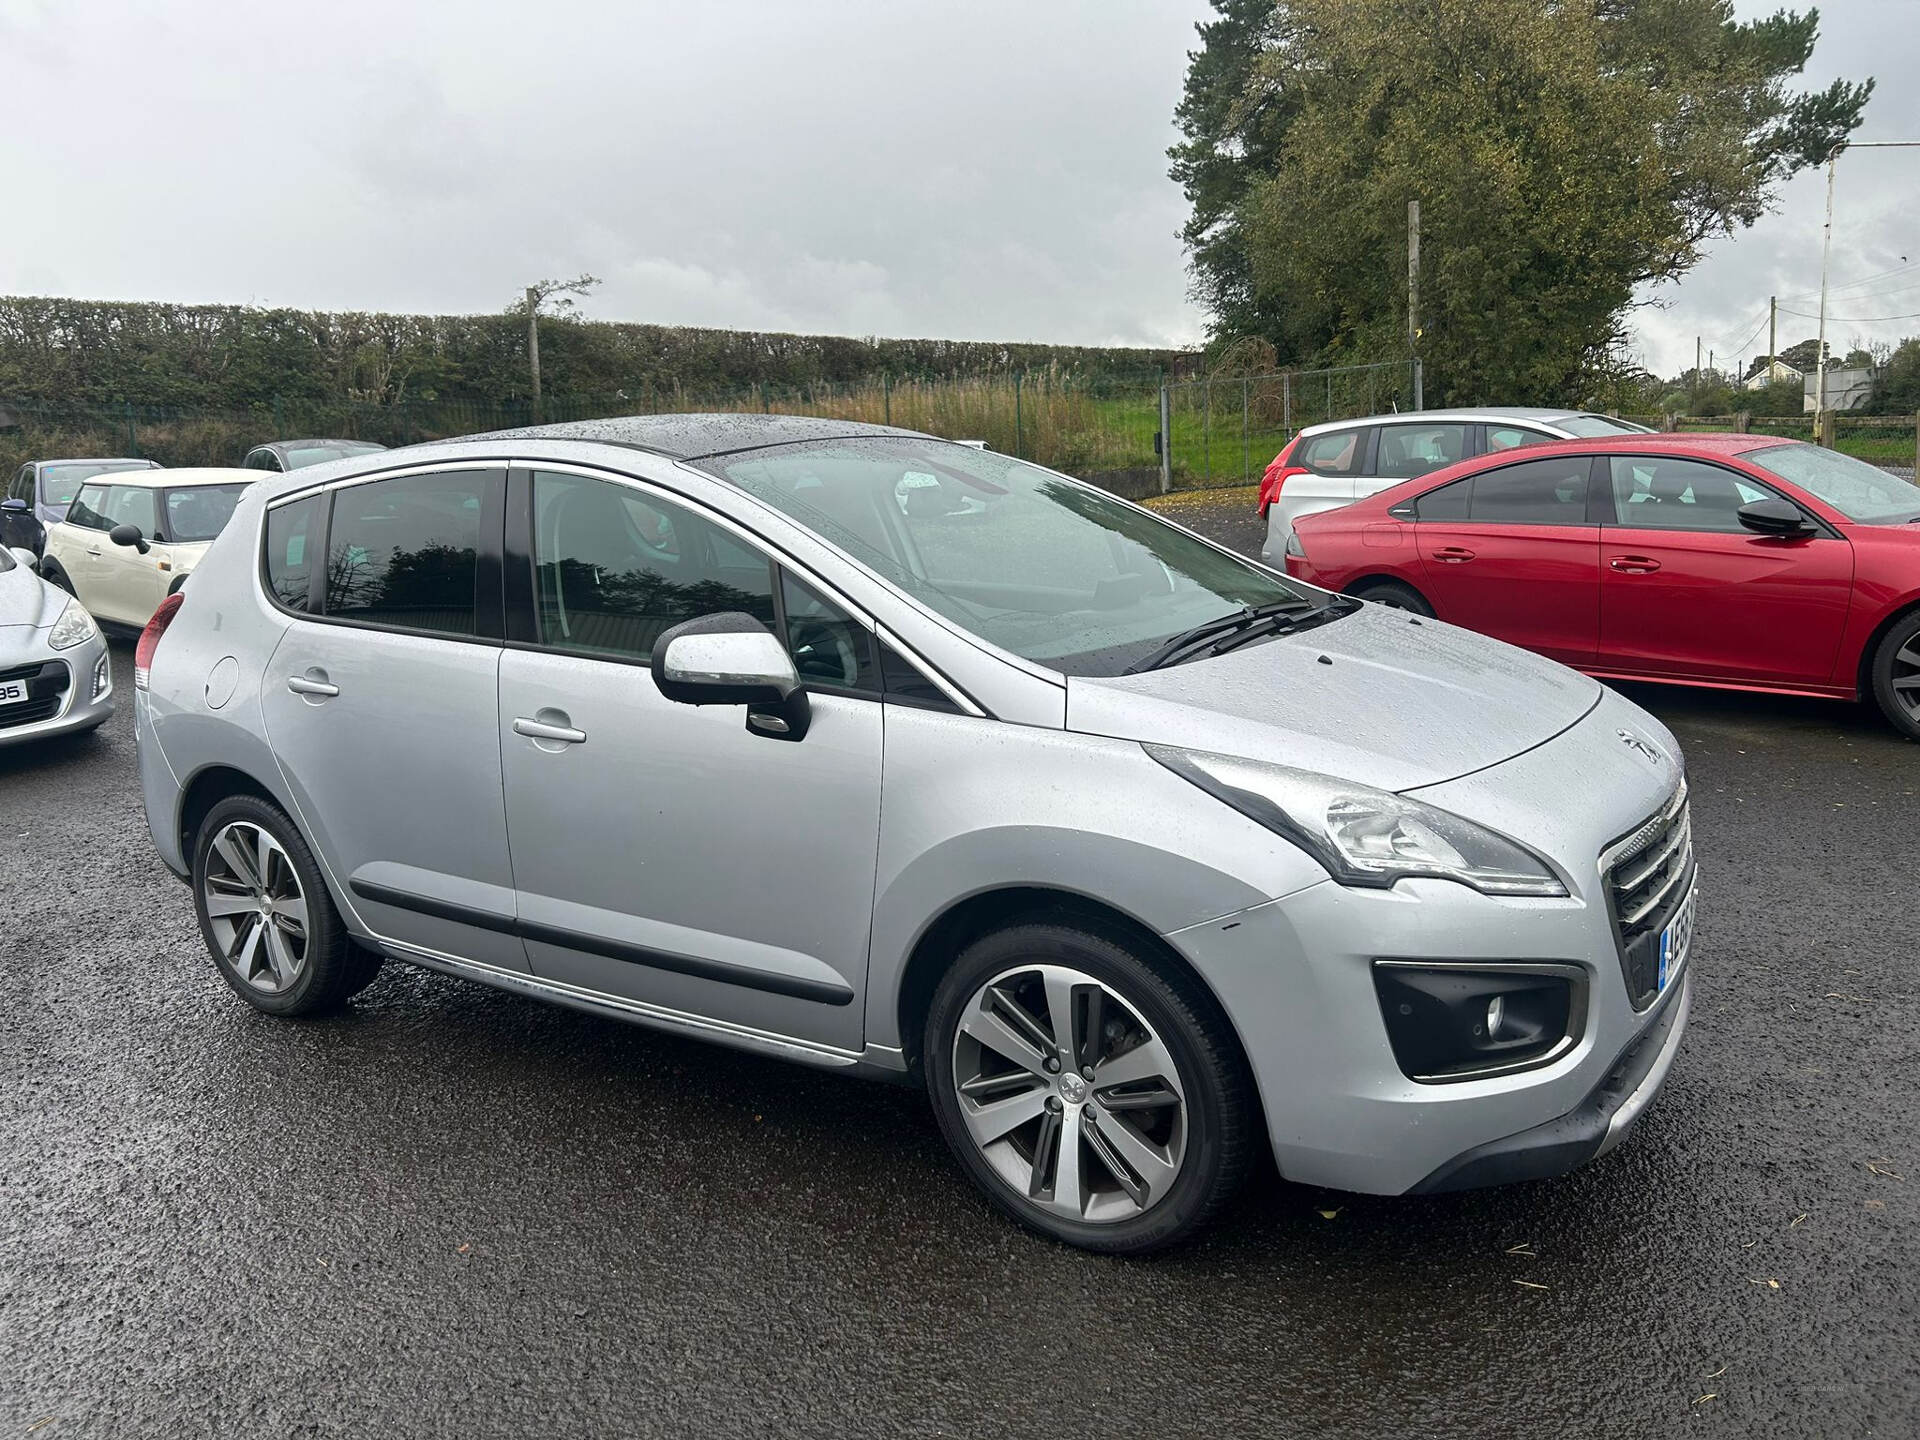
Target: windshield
[(202, 511), (1859, 491), (300, 456), (1587, 427), (1055, 571), (60, 483)]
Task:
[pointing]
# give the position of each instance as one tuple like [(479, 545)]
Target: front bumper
[(78, 708)]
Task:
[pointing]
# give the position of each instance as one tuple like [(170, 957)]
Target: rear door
[(1408, 449), (1687, 590), (1511, 552)]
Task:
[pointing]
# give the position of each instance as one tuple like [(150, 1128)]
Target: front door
[(1509, 552), (1687, 590), (663, 852), (381, 710), (129, 586)]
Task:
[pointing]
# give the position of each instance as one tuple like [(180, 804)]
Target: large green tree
[(1565, 152)]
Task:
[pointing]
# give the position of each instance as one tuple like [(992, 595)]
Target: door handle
[(94, 553), (309, 684), (542, 730), (1634, 564), (1453, 554)]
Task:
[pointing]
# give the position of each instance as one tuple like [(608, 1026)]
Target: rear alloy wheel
[(1090, 1098), (1896, 675), (1395, 596), (265, 913)]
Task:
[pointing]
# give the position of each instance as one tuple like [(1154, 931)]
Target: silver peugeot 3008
[(874, 751)]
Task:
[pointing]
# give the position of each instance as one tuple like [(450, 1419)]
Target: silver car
[(55, 675), (1327, 466), (877, 752)]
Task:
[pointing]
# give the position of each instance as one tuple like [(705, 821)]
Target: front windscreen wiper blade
[(1208, 630), (1286, 624)]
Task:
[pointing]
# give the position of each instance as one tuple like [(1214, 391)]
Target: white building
[(1846, 389), (1779, 370)]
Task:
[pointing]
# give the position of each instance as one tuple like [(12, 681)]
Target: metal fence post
[(1419, 383), (886, 393), (1286, 402), (1016, 415), (1166, 437), (1246, 455), (1916, 448), (1206, 429), (133, 442)]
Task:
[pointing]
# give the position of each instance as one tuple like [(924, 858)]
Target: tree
[(1896, 388), (561, 292), (1564, 153)]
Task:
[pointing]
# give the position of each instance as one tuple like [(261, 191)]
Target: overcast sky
[(992, 169)]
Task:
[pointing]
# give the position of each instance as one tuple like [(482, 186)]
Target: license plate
[(13, 692), (1676, 939)]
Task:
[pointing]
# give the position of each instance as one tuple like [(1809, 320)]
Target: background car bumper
[(80, 708)]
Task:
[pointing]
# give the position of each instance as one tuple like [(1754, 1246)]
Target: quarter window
[(89, 508), (614, 567), (1660, 494), (293, 533), (403, 552), (1449, 502), (1535, 492), (1512, 437), (1338, 452), (829, 647), (1407, 451)]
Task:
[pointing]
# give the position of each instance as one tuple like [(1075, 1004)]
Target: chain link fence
[(1225, 430), (1889, 441)]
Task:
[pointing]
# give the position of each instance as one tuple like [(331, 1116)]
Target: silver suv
[(877, 752), (1327, 466)]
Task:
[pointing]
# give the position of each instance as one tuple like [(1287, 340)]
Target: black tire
[(327, 968), (1889, 665), (363, 967), (1394, 596), (1220, 1113), (57, 578)]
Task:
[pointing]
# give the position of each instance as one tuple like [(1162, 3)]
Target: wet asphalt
[(449, 1212)]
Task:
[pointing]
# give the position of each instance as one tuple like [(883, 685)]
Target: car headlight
[(74, 627), (1361, 835)]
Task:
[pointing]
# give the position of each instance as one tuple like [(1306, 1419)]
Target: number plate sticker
[(1676, 939), (13, 692)]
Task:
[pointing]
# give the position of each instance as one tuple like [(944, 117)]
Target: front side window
[(614, 567), (134, 505), (1408, 451), (22, 488), (200, 512), (1338, 452), (261, 460), (89, 508), (1535, 492), (1052, 570), (1588, 427), (1656, 493), (1863, 493), (1512, 437), (403, 552), (293, 540)]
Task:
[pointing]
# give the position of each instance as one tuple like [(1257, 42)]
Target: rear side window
[(1512, 437), (404, 552), (293, 541), (1537, 492), (1338, 452), (1449, 502), (1408, 451)]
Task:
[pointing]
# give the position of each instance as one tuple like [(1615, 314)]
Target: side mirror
[(732, 659), (1774, 516), (14, 507), (128, 535)]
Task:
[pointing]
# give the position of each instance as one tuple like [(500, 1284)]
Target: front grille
[(1649, 876), (46, 692)]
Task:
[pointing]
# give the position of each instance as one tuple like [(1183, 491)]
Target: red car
[(1737, 561)]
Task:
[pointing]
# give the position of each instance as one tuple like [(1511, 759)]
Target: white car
[(55, 677), (1327, 466), (130, 539)]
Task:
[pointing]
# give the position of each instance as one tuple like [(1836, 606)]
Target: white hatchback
[(1327, 466), (130, 539)]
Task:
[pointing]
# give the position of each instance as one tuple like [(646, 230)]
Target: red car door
[(1686, 590), (1510, 552)]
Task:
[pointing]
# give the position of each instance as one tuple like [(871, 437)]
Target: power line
[(1853, 319), (1856, 284)]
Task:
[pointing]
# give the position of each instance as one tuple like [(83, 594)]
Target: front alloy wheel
[(1094, 1096), (1896, 675)]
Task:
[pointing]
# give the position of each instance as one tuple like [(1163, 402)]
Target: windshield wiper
[(1287, 624), (1212, 629)]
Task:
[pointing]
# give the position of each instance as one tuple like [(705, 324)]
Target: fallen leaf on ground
[(1329, 1214), (1795, 1221), (1710, 1395), (1718, 1373), (1525, 1247), (1888, 1173), (464, 1248), (1533, 1284)]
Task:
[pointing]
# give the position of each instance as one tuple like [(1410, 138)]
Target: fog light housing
[(102, 676), (1465, 1021)]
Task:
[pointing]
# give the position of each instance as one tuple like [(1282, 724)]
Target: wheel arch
[(1003, 907), (1383, 577), (1863, 665), (207, 789)]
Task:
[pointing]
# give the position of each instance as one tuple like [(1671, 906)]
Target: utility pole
[(1696, 369), (1820, 346), (1413, 302), (533, 343), (1773, 333)]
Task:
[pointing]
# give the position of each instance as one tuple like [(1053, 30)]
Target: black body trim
[(819, 991)]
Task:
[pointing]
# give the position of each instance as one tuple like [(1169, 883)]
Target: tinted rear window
[(293, 536), (403, 552)]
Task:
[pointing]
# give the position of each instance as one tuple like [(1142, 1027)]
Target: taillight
[(1277, 475), (150, 637)]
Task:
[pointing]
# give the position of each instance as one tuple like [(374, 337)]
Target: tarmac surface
[(451, 1212)]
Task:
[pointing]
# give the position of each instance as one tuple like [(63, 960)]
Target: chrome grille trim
[(1655, 858)]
